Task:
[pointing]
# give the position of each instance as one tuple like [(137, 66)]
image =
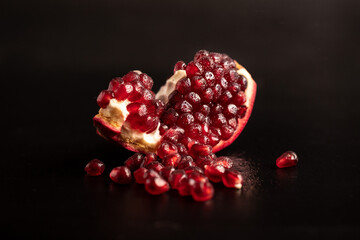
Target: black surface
[(57, 56)]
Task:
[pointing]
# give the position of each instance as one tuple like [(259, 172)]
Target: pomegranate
[(208, 101), (202, 108)]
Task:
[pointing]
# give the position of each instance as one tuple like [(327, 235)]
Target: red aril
[(156, 185), (202, 191), (232, 179), (135, 161), (214, 173), (140, 175), (95, 167), (121, 175), (287, 159)]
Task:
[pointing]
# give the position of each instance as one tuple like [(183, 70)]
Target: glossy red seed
[(204, 109), (174, 97), (159, 107), (185, 120), (230, 110), (224, 161), (193, 98), (95, 167), (138, 108), (198, 83), (146, 80), (152, 174), (225, 98), (182, 149), (197, 176), (200, 150), (140, 175), (156, 185), (171, 160), (192, 169), (175, 177), (131, 76), (104, 98), (180, 65), (224, 83), (186, 161), (202, 161), (183, 106), (121, 175), (213, 139), (218, 73), (184, 187), (226, 132), (287, 159), (138, 91), (214, 172), (166, 172), (156, 166), (218, 120), (239, 98), (209, 78), (135, 161), (163, 128), (216, 57), (217, 89), (166, 148), (147, 97), (242, 111), (233, 122), (199, 54), (149, 158), (232, 179), (193, 69), (243, 82), (234, 87), (115, 84), (183, 86), (193, 130), (124, 91), (202, 191), (170, 117)]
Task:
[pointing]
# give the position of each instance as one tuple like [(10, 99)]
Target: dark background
[(56, 56)]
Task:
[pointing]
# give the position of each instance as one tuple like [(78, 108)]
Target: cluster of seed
[(178, 172), (207, 103), (144, 110)]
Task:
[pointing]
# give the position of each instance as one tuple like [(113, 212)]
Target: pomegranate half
[(205, 102)]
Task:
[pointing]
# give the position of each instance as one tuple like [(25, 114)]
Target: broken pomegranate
[(208, 101), (202, 108), (287, 159), (95, 167)]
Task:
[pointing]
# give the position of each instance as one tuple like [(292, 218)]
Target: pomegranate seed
[(147, 97), (232, 75), (193, 98), (146, 80), (156, 166), (207, 95), (241, 111), (204, 109), (210, 78), (172, 135), (216, 57), (183, 106), (226, 132), (172, 160), (228, 63), (232, 179), (193, 69), (225, 98), (200, 149), (180, 65), (174, 97), (239, 98), (140, 175), (185, 120), (175, 177), (181, 148), (287, 159), (224, 83), (214, 172), (223, 161), (184, 187), (169, 117), (115, 84), (186, 161), (124, 91), (233, 122), (183, 86), (199, 54), (217, 89), (218, 73), (135, 161), (163, 128), (95, 167), (203, 139), (131, 76), (234, 87), (104, 98), (206, 62), (156, 185), (193, 130), (230, 110), (193, 169), (197, 176), (213, 139), (159, 107), (166, 148), (202, 161), (218, 120), (138, 108), (152, 174), (243, 82), (216, 108), (137, 92), (149, 158), (198, 83), (166, 172), (121, 175), (202, 191)]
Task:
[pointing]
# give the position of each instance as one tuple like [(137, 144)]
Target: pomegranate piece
[(121, 175), (95, 167), (200, 150), (156, 166), (140, 175), (149, 158), (180, 65), (135, 161), (202, 191), (184, 187), (175, 177), (104, 98), (156, 185), (186, 161), (232, 179), (172, 160), (214, 173), (287, 159)]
